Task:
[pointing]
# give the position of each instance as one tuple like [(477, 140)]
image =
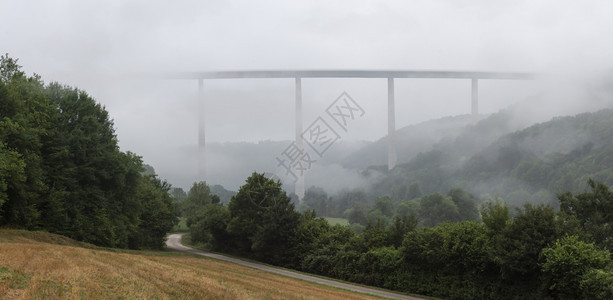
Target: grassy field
[(339, 221), (41, 265)]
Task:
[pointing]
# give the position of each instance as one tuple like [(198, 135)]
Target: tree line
[(61, 169), (533, 252)]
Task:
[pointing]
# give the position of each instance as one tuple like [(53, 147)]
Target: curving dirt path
[(174, 244)]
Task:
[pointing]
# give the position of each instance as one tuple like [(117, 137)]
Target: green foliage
[(385, 206), (495, 215), (594, 212), (178, 195), (345, 200), (9, 69), (450, 260), (529, 165), (356, 214), (327, 248), (199, 196), (337, 221), (61, 169), (597, 284), (504, 257), (262, 219), (158, 214), (316, 198), (520, 243), (406, 208), (570, 269), (467, 206), (210, 226), (309, 231), (223, 194), (401, 225), (414, 191), (12, 172), (436, 208), (379, 266)]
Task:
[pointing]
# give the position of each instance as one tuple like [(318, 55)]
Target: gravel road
[(174, 244)]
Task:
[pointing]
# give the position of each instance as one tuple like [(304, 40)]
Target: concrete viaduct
[(298, 75)]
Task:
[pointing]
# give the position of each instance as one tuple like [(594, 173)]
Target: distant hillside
[(527, 165), (559, 155), (462, 135), (410, 141)]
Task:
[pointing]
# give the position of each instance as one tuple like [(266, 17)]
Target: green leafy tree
[(198, 197), (385, 205), (223, 194), (567, 262), (407, 208), (382, 211), (450, 260), (178, 195), (345, 200), (210, 227), (401, 225), (357, 214), (414, 191), (61, 169), (328, 246), (495, 215), (11, 173), (467, 206), (308, 232), (436, 208), (262, 219), (519, 246), (149, 170), (316, 198), (597, 284), (9, 69), (593, 210), (158, 214)]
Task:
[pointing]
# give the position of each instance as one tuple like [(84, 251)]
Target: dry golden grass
[(45, 266)]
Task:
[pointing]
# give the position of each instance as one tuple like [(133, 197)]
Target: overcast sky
[(93, 44)]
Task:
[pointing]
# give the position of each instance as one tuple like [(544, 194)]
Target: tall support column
[(391, 125), (475, 97), (299, 187), (201, 131)]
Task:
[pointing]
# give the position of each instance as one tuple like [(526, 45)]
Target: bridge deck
[(349, 74)]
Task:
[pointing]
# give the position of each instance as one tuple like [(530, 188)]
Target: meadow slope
[(42, 265)]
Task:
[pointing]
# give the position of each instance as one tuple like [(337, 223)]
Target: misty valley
[(509, 205)]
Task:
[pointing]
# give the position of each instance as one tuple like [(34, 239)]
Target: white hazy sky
[(92, 44)]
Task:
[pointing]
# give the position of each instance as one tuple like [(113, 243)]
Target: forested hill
[(464, 135), (533, 164), (410, 141), (61, 169)]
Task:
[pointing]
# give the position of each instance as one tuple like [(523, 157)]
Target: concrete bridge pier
[(474, 107), (391, 125), (299, 185), (201, 131)]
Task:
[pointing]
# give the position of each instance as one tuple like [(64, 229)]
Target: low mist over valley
[(536, 128)]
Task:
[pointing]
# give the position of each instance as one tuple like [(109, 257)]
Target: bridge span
[(298, 75)]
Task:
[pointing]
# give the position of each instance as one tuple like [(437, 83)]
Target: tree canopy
[(61, 169)]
